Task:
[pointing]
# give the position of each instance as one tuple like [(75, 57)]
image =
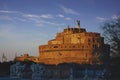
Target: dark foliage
[(5, 68), (111, 33)]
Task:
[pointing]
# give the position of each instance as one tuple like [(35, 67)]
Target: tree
[(111, 32)]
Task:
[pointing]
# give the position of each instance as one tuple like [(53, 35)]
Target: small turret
[(78, 24)]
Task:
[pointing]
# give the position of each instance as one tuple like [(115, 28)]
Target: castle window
[(88, 40), (93, 40), (82, 46), (97, 39), (73, 46), (86, 55), (98, 45), (55, 46), (93, 45), (89, 44)]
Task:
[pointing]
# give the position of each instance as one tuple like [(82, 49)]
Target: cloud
[(31, 15), (68, 18), (101, 18), (42, 22), (45, 16), (38, 20), (115, 17), (60, 15), (6, 11), (69, 10), (16, 15), (10, 12)]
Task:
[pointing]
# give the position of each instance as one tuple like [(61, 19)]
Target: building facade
[(74, 45)]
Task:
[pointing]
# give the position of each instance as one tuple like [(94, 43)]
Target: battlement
[(74, 30)]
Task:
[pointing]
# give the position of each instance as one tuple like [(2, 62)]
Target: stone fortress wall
[(73, 45)]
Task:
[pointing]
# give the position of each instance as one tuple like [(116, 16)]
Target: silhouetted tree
[(111, 32)]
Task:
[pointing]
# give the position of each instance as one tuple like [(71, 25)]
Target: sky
[(26, 24)]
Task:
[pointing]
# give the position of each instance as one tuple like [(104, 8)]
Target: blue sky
[(26, 24)]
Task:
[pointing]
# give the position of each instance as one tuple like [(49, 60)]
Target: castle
[(73, 45)]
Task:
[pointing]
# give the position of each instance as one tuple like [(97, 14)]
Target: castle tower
[(73, 45)]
